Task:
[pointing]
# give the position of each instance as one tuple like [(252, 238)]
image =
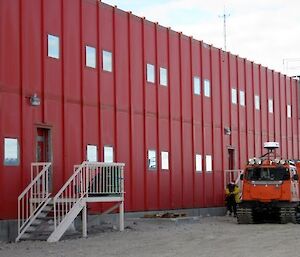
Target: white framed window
[(270, 105), (234, 96), (53, 46), (90, 56), (108, 154), (164, 160), (92, 153), (208, 163), (197, 85), (198, 159), (257, 102), (151, 159), (206, 88), (289, 111), (242, 98), (150, 73), (107, 61), (11, 152), (163, 76)]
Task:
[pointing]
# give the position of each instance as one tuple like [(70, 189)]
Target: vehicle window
[(267, 174)]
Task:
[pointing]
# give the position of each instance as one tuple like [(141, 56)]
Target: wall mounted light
[(227, 131), (35, 100)]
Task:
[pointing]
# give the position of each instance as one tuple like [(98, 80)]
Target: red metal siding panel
[(264, 106)]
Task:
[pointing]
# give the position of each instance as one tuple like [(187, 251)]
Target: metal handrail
[(34, 196)]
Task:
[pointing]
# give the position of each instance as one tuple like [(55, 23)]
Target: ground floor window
[(108, 154), (11, 152), (92, 153)]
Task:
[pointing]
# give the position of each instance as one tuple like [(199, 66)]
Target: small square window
[(163, 76), (90, 56), (151, 159), (242, 98), (150, 73), (257, 102), (198, 163), (164, 160), (270, 105), (53, 46), (206, 88), (233, 96), (92, 153), (289, 111), (108, 154), (11, 152), (197, 86), (208, 162), (107, 61)]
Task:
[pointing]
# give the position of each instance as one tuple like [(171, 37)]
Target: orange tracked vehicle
[(270, 189)]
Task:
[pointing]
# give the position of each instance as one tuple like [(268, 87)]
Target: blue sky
[(267, 32)]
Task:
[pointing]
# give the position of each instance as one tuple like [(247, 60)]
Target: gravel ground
[(209, 237)]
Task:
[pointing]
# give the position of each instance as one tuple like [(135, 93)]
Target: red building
[(83, 80)]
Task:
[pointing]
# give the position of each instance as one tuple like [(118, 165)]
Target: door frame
[(49, 155)]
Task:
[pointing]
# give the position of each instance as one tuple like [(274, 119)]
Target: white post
[(84, 221), (121, 216)]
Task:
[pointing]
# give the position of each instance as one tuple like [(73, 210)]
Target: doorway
[(44, 149), (230, 159)]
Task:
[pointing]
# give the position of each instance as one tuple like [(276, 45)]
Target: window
[(92, 153), (163, 76), (233, 96), (242, 98), (90, 56), (164, 160), (208, 162), (152, 159), (257, 102), (150, 73), (289, 111), (108, 154), (107, 61), (270, 105), (11, 152), (206, 88), (198, 163), (53, 46), (197, 86)]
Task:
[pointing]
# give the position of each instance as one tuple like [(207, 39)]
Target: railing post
[(84, 221)]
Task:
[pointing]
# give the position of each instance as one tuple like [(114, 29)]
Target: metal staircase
[(41, 217)]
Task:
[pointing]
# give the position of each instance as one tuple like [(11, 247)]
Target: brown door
[(43, 149), (231, 163)]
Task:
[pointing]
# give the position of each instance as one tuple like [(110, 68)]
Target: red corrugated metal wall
[(83, 105)]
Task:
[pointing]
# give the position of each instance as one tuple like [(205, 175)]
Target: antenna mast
[(224, 16)]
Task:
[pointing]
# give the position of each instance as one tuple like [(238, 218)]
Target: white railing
[(34, 196), (106, 178), (89, 178)]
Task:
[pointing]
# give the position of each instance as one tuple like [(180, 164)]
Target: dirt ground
[(209, 237)]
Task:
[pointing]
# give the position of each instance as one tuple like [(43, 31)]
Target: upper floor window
[(163, 76), (92, 153), (107, 60), (289, 111), (90, 57), (208, 162), (151, 159), (270, 105), (198, 163), (11, 152), (257, 102), (242, 98), (233, 96), (53, 46), (197, 86), (164, 160), (108, 154), (207, 88), (150, 73)]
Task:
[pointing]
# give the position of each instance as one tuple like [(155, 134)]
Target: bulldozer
[(269, 189)]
